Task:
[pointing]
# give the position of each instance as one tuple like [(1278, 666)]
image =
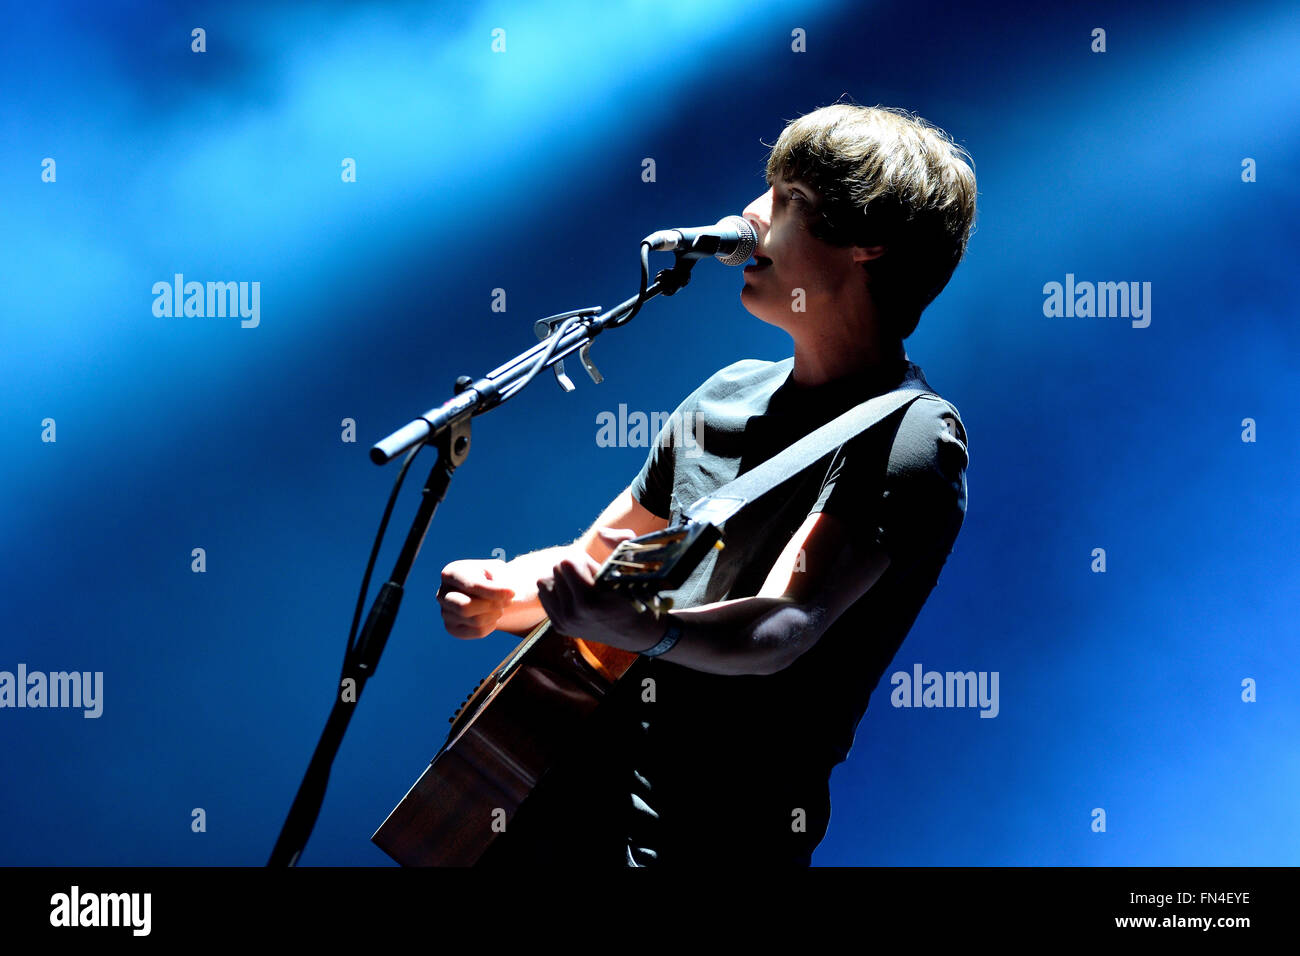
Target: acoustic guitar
[(517, 720)]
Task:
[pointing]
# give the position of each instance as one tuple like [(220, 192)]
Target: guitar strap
[(717, 507)]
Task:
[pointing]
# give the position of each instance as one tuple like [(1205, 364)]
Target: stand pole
[(448, 428)]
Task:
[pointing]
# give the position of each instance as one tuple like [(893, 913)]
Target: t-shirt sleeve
[(653, 485), (903, 490), (679, 434)]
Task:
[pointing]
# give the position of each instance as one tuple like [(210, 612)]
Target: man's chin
[(764, 311)]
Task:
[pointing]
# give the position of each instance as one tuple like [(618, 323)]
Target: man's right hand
[(479, 596), (474, 596)]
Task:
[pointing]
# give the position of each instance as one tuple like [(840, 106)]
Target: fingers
[(472, 601), (613, 536), (470, 604), (546, 597), (470, 623), (460, 611), (466, 616), (487, 590), (475, 578), (560, 591)]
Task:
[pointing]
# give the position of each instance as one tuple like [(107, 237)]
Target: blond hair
[(885, 177)]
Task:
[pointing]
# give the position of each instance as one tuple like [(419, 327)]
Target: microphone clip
[(545, 328)]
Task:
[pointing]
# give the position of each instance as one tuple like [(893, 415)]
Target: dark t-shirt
[(680, 766)]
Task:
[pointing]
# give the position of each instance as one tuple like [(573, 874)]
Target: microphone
[(731, 241)]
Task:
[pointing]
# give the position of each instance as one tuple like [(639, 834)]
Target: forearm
[(525, 611), (753, 635)]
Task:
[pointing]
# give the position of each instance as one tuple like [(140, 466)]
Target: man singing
[(717, 746)]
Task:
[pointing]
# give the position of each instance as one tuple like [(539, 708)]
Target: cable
[(543, 358), (374, 554), (563, 327), (538, 365), (645, 284)]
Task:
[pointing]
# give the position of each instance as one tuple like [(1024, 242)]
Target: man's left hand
[(578, 608)]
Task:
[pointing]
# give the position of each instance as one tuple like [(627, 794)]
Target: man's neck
[(827, 359)]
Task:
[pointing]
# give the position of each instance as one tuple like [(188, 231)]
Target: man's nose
[(759, 212)]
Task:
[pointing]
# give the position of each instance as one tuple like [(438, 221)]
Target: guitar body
[(520, 718), (503, 739)]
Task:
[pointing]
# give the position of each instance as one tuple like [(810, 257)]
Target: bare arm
[(821, 572), (511, 591), (754, 635), (799, 600), (525, 611)]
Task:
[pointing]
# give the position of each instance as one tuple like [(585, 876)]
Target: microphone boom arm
[(447, 428), (574, 333)]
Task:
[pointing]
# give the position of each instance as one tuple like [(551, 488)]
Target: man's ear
[(865, 253)]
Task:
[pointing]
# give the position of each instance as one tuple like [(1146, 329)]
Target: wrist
[(668, 638)]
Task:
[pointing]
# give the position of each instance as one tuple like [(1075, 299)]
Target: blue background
[(521, 170)]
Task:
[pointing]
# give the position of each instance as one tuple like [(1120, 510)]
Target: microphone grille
[(748, 240)]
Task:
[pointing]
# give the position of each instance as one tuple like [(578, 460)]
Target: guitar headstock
[(660, 561)]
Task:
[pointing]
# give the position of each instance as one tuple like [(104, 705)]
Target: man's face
[(789, 258)]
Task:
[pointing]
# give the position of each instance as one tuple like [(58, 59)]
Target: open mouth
[(760, 262)]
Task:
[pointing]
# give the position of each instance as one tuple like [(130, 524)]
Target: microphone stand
[(447, 428)]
